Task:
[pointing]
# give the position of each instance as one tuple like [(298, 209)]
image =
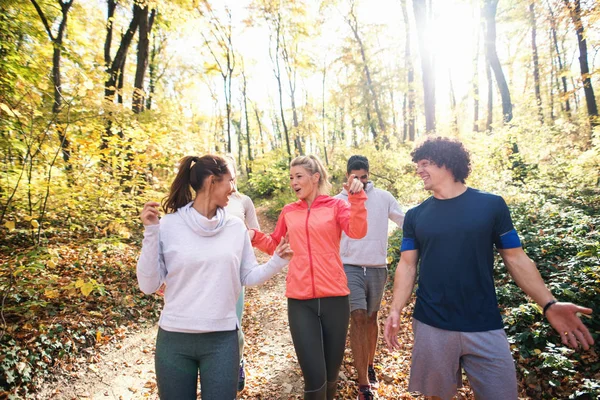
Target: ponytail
[(190, 178)]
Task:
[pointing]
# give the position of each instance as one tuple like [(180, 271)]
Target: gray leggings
[(179, 357), (319, 328)]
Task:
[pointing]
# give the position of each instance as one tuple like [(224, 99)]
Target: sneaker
[(365, 393), (241, 377), (372, 376)]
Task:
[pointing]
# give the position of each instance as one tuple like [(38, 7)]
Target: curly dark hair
[(445, 152)]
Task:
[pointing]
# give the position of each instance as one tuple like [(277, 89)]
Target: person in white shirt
[(365, 264), (240, 206), (204, 257)]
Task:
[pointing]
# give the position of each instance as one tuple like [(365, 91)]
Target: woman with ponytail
[(316, 284), (204, 257)]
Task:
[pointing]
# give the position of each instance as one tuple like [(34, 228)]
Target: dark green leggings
[(319, 328), (180, 356)]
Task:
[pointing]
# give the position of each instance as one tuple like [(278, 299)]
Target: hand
[(251, 233), (563, 317), (353, 185), (284, 250), (391, 329), (149, 215)]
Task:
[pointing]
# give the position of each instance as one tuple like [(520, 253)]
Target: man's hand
[(353, 185), (392, 327), (563, 317), (149, 215)]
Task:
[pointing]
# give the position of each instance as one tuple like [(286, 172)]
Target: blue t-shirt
[(455, 239)]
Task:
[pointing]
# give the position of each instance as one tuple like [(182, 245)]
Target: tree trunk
[(277, 71), (489, 12), (427, 63), (588, 90), (409, 115), (323, 113), (145, 28), (453, 104), (353, 23), (248, 143), (490, 98), (57, 43), (260, 128), (536, 66), (476, 81), (559, 60)]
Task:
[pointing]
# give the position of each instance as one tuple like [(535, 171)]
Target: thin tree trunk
[(260, 127), (370, 86), (427, 63), (248, 143), (277, 71), (57, 43), (144, 28), (490, 97), (323, 113), (453, 103), (588, 90), (561, 68), (476, 83), (409, 96), (536, 64), (489, 11)]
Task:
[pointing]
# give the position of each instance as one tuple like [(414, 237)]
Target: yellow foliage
[(87, 288), (51, 293), (10, 225), (35, 224)]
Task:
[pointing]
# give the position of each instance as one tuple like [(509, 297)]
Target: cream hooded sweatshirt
[(204, 263)]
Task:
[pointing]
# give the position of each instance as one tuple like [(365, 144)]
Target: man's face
[(432, 175), (361, 174)]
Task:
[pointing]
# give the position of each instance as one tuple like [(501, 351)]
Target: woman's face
[(221, 188), (303, 183)]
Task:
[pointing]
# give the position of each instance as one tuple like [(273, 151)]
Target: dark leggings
[(179, 357), (319, 328)]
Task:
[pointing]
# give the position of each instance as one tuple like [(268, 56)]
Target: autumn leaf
[(51, 293), (35, 224), (87, 288), (10, 225)]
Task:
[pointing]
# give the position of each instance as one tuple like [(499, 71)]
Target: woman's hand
[(149, 215), (251, 233), (354, 185), (284, 250)]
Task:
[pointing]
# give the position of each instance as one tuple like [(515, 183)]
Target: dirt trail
[(126, 371)]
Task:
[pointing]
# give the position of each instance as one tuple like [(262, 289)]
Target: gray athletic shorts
[(438, 356), (366, 287)]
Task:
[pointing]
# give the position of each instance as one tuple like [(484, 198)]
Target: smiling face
[(305, 185), (361, 174), (221, 188), (432, 175)]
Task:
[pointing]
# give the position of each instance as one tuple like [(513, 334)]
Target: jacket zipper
[(310, 262)]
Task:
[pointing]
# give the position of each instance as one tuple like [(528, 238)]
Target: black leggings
[(319, 328)]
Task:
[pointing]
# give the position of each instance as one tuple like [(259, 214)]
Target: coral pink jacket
[(316, 269)]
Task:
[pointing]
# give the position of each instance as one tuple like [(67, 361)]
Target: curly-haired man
[(456, 321)]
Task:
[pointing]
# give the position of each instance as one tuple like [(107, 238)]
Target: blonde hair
[(313, 164), (230, 159)]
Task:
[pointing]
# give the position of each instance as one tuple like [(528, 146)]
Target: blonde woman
[(316, 285)]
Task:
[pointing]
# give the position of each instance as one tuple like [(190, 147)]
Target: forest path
[(126, 371)]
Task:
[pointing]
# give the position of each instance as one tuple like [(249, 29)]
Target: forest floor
[(125, 370)]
